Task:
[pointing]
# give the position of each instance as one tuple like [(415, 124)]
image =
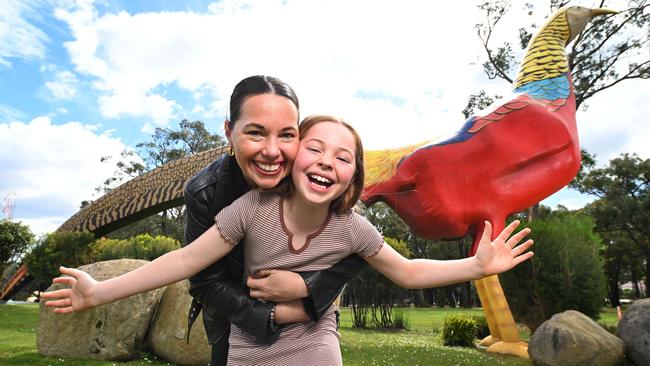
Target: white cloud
[(327, 50), (614, 122), (18, 37), (52, 168), (63, 85)]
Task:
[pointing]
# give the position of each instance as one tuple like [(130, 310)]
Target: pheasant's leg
[(489, 315), (510, 341), (504, 336)]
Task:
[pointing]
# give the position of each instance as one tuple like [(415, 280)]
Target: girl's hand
[(80, 296), (502, 254), (277, 285)]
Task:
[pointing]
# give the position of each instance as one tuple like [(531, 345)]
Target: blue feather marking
[(462, 135), (550, 89)]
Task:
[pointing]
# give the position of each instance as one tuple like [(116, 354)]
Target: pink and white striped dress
[(257, 218)]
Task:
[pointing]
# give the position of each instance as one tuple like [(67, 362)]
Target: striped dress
[(257, 218)]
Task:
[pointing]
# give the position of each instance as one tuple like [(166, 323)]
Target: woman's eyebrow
[(255, 125), (291, 128)]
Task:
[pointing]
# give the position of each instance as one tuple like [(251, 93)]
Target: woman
[(263, 134)]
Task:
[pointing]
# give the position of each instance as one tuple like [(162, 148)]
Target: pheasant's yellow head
[(578, 18)]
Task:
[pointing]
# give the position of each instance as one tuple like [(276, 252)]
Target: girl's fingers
[(67, 310), (56, 294), (71, 272), (517, 237), (522, 248), (65, 280), (508, 230), (59, 303), (487, 232), (523, 257)]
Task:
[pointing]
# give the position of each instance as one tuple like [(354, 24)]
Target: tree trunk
[(614, 292), (647, 274)]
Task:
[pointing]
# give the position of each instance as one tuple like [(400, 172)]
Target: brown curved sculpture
[(152, 192)]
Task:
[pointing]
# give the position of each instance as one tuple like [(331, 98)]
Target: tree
[(372, 294), (623, 206), (610, 50), (70, 249), (565, 273), (391, 225), (15, 239), (164, 145)]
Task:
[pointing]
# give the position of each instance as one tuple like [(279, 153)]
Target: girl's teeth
[(320, 179)]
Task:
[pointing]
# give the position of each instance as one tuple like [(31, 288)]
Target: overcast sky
[(84, 79)]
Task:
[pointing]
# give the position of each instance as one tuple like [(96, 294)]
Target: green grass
[(18, 325), (421, 345)]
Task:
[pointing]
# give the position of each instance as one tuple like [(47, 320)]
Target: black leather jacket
[(220, 289)]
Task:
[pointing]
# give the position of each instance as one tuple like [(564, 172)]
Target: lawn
[(420, 345)]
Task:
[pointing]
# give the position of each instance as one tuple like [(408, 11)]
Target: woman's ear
[(227, 131)]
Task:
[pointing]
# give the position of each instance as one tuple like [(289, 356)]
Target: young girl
[(308, 225)]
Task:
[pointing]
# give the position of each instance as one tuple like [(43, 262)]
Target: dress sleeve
[(366, 240), (233, 220)]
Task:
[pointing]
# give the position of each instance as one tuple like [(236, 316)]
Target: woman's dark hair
[(255, 85)]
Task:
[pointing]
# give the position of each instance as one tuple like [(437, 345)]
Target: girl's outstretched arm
[(85, 292), (491, 258)]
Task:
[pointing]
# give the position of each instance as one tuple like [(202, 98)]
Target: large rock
[(571, 338), (634, 330), (168, 331), (109, 332)]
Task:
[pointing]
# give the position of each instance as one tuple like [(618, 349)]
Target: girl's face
[(325, 164), (265, 139)]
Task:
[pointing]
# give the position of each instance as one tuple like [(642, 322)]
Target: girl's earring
[(231, 152)]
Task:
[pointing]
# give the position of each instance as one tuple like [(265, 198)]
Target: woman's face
[(265, 139)]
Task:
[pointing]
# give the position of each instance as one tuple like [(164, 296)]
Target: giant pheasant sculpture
[(507, 159), (502, 161)]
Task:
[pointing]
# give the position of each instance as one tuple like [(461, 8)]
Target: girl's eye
[(313, 149), (344, 159)]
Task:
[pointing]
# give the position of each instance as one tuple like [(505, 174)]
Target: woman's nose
[(271, 149)]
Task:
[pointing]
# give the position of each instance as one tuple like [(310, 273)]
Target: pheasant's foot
[(488, 341), (519, 349)]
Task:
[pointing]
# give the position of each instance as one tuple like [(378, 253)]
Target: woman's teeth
[(267, 167)]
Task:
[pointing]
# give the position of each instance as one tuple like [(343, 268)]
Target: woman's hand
[(277, 285), (80, 296), (502, 254)]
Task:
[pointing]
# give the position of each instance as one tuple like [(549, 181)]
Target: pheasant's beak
[(602, 11)]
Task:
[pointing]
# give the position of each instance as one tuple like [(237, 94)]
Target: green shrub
[(15, 239), (482, 328), (142, 246), (565, 273), (401, 320), (459, 331), (609, 327), (58, 249)]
